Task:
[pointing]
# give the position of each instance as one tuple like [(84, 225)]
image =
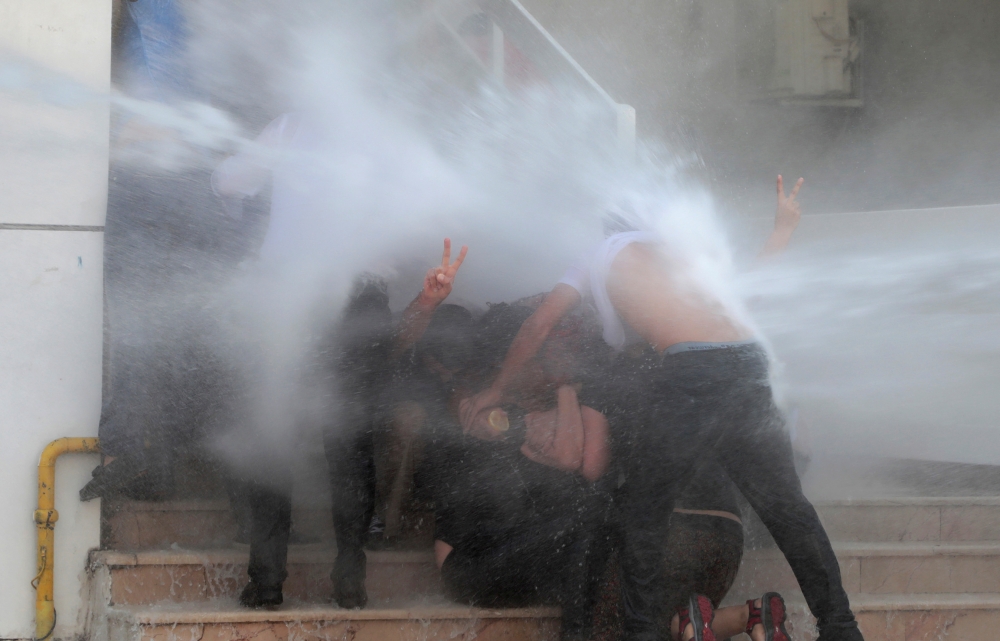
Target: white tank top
[(589, 276)]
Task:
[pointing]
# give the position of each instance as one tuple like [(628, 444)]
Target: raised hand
[(789, 210), (438, 281)]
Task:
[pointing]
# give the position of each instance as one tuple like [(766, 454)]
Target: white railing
[(511, 21)]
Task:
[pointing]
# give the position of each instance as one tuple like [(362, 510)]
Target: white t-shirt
[(589, 277)]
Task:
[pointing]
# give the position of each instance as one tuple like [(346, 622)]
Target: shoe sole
[(774, 620), (702, 632)]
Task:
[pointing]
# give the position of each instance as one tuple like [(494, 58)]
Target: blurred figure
[(165, 257)]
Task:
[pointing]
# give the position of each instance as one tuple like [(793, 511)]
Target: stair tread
[(311, 553), (196, 505), (228, 611), (321, 553), (903, 548), (963, 601), (915, 501)]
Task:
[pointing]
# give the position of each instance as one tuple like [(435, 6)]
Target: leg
[(360, 368), (350, 455), (757, 454), (270, 524), (664, 445)]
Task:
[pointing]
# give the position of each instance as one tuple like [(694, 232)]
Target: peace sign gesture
[(789, 210), (437, 282)]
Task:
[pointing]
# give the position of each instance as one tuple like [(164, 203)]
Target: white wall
[(53, 171)]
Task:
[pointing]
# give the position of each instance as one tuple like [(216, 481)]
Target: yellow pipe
[(45, 520)]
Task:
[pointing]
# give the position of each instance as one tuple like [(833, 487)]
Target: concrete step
[(138, 525), (968, 617), (225, 621), (912, 519), (151, 525), (159, 576), (956, 617), (886, 568), (187, 576)]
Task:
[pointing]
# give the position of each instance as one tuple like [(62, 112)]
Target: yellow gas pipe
[(45, 520)]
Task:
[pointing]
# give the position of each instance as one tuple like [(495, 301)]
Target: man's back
[(652, 296)]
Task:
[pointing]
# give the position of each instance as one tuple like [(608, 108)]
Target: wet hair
[(450, 337), (495, 332)]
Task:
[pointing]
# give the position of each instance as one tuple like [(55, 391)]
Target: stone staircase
[(917, 569)]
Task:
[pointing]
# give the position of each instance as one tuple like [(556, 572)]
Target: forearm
[(416, 318), (596, 444), (534, 332), (526, 345), (776, 242)]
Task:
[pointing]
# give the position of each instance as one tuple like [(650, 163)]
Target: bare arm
[(437, 286), (528, 341), (786, 219), (596, 448)]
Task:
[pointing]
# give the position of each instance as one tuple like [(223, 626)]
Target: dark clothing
[(270, 524), (703, 555), (710, 489), (168, 251), (359, 356), (351, 365), (692, 406), (523, 533)]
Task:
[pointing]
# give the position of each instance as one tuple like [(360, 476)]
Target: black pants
[(698, 404), (352, 367), (359, 357), (556, 563), (270, 505)]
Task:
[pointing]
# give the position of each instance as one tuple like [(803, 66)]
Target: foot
[(695, 622), (766, 621), (257, 597), (349, 580), (122, 478)]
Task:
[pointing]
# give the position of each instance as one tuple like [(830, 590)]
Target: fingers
[(795, 189), (461, 259), (446, 256), (781, 187)]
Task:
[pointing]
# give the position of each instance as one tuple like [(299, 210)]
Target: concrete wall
[(697, 73), (53, 173)]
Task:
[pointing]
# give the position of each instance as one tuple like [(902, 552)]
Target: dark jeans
[(270, 506), (555, 561), (698, 404), (359, 356), (351, 366)]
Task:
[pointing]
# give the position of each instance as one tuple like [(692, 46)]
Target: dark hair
[(495, 333), (450, 336)]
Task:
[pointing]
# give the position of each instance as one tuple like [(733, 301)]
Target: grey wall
[(696, 71)]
